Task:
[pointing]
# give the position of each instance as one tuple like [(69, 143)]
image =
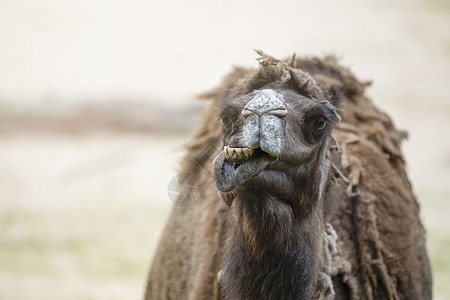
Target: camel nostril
[(266, 102), (247, 112), (279, 112)]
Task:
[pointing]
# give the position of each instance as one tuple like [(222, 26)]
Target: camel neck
[(270, 254)]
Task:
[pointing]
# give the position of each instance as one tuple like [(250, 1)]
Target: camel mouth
[(234, 166), (238, 153)]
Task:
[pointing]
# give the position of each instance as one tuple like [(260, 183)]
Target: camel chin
[(233, 168)]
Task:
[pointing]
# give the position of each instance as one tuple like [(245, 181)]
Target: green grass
[(109, 246)]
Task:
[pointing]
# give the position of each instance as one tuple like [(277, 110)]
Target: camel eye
[(321, 123), (316, 126)]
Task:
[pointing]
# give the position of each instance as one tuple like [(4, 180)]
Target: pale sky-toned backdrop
[(81, 211), (72, 50)]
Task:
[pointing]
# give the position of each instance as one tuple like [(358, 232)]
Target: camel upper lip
[(233, 170)]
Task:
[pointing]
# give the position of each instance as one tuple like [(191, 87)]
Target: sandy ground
[(80, 214)]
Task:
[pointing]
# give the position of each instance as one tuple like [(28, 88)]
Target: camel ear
[(334, 95)]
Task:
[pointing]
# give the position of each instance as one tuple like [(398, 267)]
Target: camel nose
[(264, 122), (266, 102)]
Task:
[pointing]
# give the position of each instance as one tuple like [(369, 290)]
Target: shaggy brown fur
[(284, 249)]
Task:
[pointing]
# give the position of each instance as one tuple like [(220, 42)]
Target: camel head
[(276, 129)]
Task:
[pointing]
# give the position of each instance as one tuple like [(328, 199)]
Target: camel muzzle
[(264, 121)]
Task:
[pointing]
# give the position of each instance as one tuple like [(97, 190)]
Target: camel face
[(270, 133)]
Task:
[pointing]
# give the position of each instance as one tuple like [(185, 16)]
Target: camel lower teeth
[(234, 153)]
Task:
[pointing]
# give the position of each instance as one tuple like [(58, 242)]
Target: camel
[(304, 194)]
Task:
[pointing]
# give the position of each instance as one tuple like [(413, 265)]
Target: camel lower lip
[(229, 173)]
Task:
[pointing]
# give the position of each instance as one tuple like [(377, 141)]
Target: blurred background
[(97, 100)]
